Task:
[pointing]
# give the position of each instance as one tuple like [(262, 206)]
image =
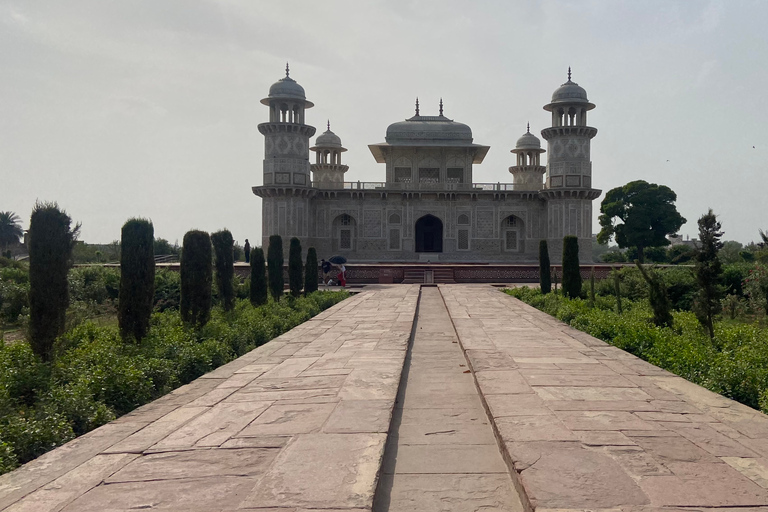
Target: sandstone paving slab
[(426, 401), (181, 495), (291, 367), (466, 435), (154, 432), (590, 393), (322, 471), (289, 419), (423, 459), (325, 372), (60, 492), (370, 384), (291, 383), (213, 427), (502, 382), (635, 461), (305, 395), (196, 464), (602, 405), (354, 416), (593, 380), (754, 469), (517, 405), (439, 493), (701, 485), (533, 428), (674, 449), (257, 442), (709, 439), (603, 420), (603, 438)]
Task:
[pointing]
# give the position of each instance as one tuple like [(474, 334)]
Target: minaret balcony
[(562, 131), (276, 128)]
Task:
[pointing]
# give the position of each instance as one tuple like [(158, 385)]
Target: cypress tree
[(223, 248), (295, 268), (51, 240), (592, 287), (571, 274), (196, 278), (617, 290), (258, 291), (709, 270), (137, 278), (310, 272), (275, 266), (545, 278)]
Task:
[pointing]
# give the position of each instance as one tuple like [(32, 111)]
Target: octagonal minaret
[(287, 183), (527, 174), (568, 186), (328, 171)]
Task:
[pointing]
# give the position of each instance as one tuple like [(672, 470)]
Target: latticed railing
[(403, 185)]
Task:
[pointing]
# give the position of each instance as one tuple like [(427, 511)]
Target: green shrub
[(310, 272), (137, 278), (275, 267), (34, 432), (196, 278), (50, 240), (75, 403), (295, 268), (225, 271), (8, 459), (23, 375), (571, 271), (545, 278), (13, 301), (258, 290), (657, 296), (167, 290)]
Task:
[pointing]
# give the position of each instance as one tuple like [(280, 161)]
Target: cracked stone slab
[(331, 471), (351, 416), (280, 419), (196, 464), (464, 459)]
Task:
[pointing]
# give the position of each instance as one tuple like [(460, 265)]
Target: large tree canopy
[(639, 214)]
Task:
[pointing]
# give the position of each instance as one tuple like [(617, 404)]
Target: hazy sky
[(150, 108)]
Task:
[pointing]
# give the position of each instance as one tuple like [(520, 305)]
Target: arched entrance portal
[(429, 234)]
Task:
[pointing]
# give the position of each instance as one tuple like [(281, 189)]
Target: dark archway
[(429, 234)]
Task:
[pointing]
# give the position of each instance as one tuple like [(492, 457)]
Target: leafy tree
[(677, 254), (164, 247), (258, 291), (709, 269), (10, 229), (196, 278), (545, 278), (657, 296), (310, 272), (275, 266), (137, 278), (225, 271), (51, 240), (613, 256), (295, 268), (571, 271), (646, 213)]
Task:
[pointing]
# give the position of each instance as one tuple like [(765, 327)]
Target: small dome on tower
[(528, 141), (287, 88), (328, 138), (569, 92)]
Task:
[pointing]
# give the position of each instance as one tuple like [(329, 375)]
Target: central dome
[(437, 130)]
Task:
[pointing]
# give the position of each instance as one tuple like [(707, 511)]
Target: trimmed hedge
[(275, 267), (196, 278), (137, 278), (223, 248), (295, 268)]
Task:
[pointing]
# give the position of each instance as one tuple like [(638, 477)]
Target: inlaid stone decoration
[(427, 179)]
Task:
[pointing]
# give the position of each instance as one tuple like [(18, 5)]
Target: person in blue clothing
[(325, 266)]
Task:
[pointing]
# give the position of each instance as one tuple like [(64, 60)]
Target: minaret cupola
[(528, 173), (287, 100), (328, 171)]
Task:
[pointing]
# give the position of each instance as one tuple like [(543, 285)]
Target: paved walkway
[(302, 423)]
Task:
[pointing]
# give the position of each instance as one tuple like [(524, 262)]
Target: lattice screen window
[(510, 222), (345, 220), (510, 240), (455, 175), (463, 236), (345, 239), (394, 239), (463, 220), (429, 175), (403, 174)]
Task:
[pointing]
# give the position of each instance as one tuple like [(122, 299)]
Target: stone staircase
[(428, 276)]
